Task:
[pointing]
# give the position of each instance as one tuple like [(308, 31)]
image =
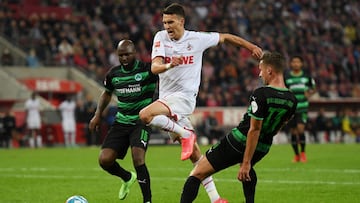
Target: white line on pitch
[(259, 169), (289, 182)]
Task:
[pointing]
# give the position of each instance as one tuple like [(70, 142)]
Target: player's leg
[(302, 141), (160, 114), (294, 137), (249, 187), (67, 139), (201, 170), (38, 138), (139, 143), (114, 147)]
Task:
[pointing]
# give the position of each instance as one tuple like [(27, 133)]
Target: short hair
[(176, 9), (297, 57), (275, 60)]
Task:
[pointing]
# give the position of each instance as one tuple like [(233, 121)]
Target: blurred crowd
[(325, 33)]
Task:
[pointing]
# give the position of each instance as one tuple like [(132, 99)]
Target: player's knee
[(105, 160), (145, 116)]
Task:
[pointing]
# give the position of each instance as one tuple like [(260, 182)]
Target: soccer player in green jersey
[(134, 85), (271, 106), (303, 86)]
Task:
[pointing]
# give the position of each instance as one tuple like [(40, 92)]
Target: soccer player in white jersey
[(177, 58), (67, 108), (33, 120)]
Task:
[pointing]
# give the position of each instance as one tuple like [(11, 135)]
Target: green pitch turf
[(50, 175)]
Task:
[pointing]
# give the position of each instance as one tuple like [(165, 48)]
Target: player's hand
[(94, 124), (257, 52), (176, 60), (243, 174)]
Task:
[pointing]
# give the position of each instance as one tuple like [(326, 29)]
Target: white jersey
[(67, 109), (186, 77), (33, 119)]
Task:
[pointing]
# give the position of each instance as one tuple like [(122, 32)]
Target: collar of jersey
[(278, 88)]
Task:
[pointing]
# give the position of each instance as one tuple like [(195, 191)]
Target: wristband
[(167, 66)]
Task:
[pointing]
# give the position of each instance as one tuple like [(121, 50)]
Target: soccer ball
[(76, 199)]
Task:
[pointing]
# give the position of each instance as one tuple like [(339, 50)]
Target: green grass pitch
[(50, 175)]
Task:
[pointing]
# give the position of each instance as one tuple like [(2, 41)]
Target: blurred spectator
[(33, 121), (68, 121), (329, 45), (66, 50), (323, 126), (212, 129), (32, 60), (349, 125), (84, 112), (7, 58), (9, 124)]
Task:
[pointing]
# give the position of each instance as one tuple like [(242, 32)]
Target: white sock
[(165, 123), (31, 142), (209, 186), (39, 141)]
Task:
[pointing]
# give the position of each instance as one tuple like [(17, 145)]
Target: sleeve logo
[(254, 106)]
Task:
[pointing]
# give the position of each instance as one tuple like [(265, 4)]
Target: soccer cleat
[(125, 187), (187, 146), (220, 200), (296, 158), (303, 158)]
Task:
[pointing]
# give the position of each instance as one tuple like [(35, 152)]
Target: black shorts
[(228, 152), (121, 136), (298, 118)]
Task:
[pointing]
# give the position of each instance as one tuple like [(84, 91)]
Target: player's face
[(264, 75), (126, 56), (296, 64), (174, 25)]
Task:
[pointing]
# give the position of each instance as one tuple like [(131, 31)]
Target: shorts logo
[(144, 143)]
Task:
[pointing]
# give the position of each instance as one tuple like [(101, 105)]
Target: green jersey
[(299, 84), (274, 106), (134, 90)]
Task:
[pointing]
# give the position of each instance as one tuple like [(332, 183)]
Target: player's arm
[(251, 142), (240, 42), (158, 65), (103, 102), (312, 90)]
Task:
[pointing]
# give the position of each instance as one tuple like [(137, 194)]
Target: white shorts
[(181, 106), (68, 126), (33, 123)]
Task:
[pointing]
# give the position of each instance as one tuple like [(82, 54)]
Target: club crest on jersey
[(157, 44), (138, 77), (189, 47)]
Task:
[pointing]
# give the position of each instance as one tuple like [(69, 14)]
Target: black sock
[(117, 170), (302, 142), (249, 187), (190, 190), (294, 143), (144, 181)]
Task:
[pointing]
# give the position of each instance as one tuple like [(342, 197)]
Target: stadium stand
[(325, 33)]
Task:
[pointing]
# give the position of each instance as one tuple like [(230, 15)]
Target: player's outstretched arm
[(240, 42)]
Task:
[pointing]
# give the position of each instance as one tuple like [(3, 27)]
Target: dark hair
[(274, 59), (176, 9), (297, 57)]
